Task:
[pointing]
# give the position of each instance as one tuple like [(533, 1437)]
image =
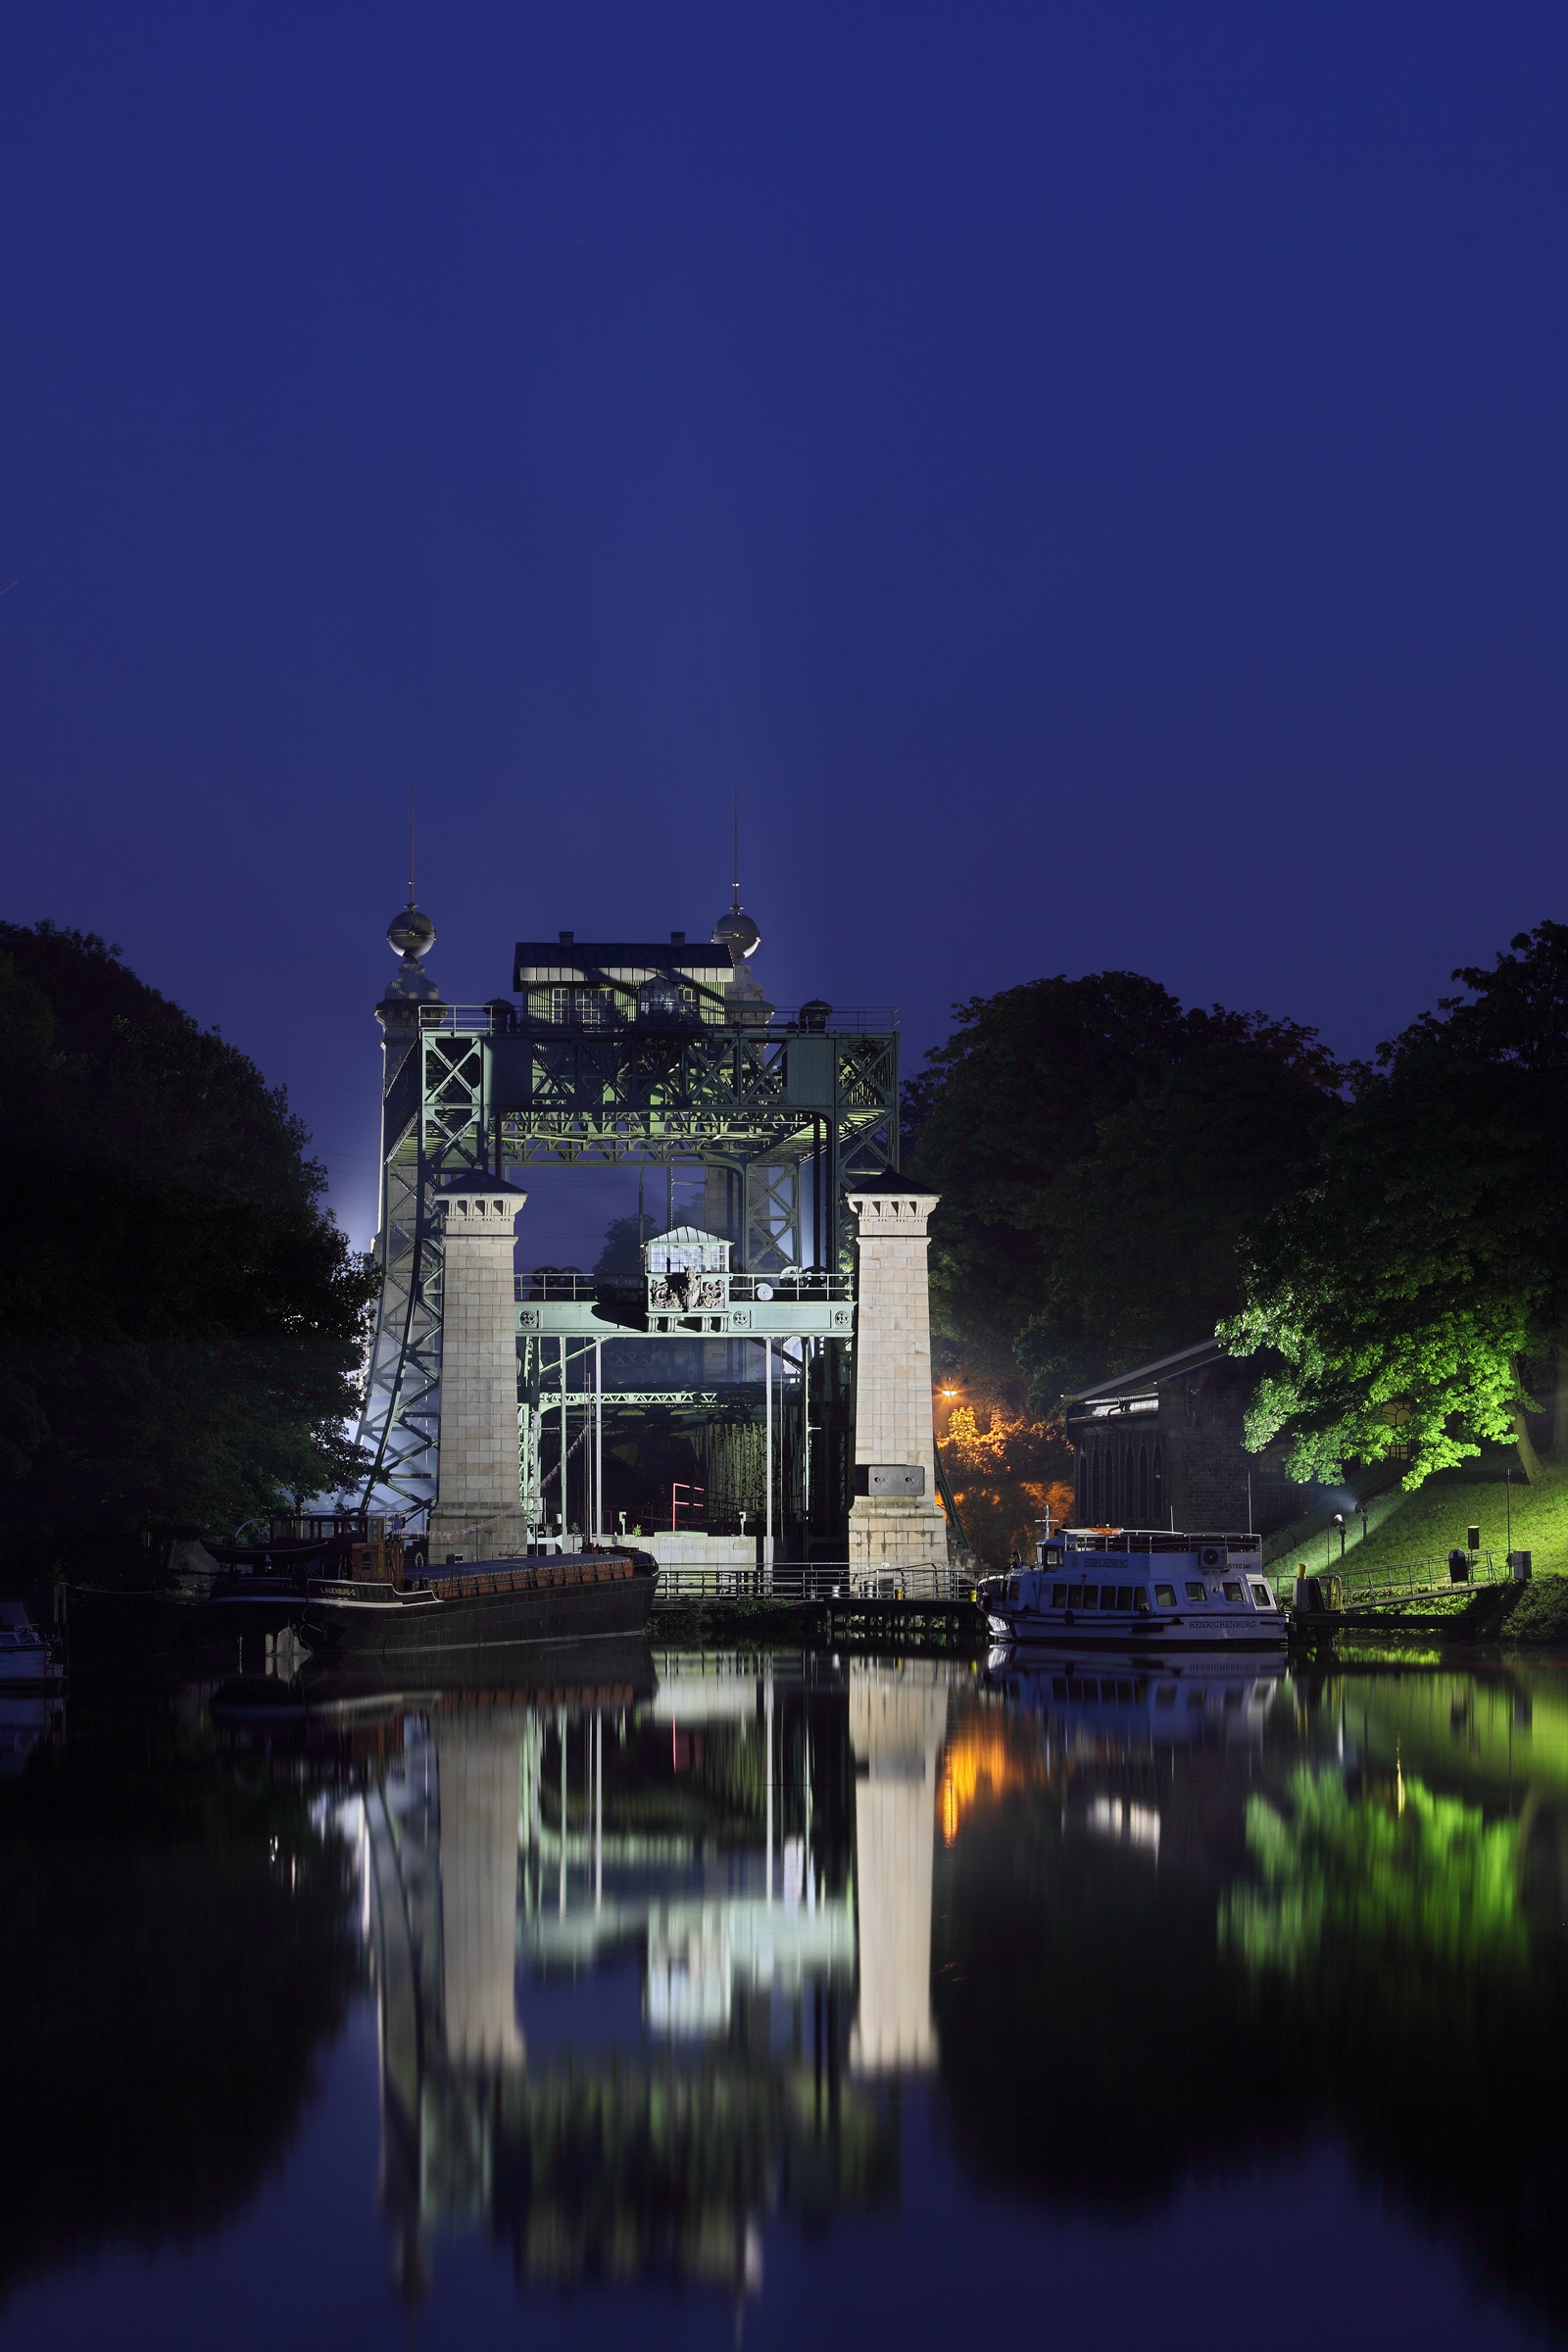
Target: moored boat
[(561, 1597), (26, 1660), (1139, 1590)]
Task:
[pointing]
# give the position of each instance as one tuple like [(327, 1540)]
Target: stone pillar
[(897, 1721), (478, 1510), (894, 1447)]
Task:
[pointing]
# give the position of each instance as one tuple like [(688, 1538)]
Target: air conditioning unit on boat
[(1214, 1558)]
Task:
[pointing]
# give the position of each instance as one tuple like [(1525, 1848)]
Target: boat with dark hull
[(492, 1605)]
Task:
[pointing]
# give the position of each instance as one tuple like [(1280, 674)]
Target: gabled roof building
[(1161, 1445)]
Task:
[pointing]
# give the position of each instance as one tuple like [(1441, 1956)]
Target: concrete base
[(502, 1539), (691, 1550), (888, 1531)]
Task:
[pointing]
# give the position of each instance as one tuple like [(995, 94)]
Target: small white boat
[(1140, 1591), (26, 1661)]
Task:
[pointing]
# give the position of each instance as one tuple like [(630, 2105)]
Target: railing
[(1410, 1580), (766, 1021), (787, 1288), (796, 1580)]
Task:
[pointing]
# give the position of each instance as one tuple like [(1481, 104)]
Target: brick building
[(1162, 1446)]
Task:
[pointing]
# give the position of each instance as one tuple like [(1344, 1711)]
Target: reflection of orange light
[(979, 1760)]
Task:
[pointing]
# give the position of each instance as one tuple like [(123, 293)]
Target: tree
[(181, 1319), (1412, 1282), (1099, 1149), (1004, 1477)]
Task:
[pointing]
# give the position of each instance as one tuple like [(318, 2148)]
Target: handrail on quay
[(818, 1580), (1416, 1580)]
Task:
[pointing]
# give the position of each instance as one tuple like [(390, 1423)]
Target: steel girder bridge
[(778, 1110)]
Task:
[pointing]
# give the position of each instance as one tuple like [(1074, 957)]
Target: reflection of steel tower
[(897, 1716), (648, 2156), (661, 1055)]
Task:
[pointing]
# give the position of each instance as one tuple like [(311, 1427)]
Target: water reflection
[(665, 1958), (26, 1722), (526, 1863), (1215, 1917), (178, 1950)]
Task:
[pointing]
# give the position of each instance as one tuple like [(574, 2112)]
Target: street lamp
[(1339, 1521)]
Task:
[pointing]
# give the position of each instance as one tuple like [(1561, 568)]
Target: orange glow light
[(980, 1761)]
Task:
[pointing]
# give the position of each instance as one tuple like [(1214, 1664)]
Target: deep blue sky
[(1092, 476)]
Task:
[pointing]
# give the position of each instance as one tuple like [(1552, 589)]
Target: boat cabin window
[(1058, 1595), (1090, 1598), (1233, 1589), (1164, 1596), (1165, 1696), (1124, 1596), (1261, 1597), (1140, 1599), (1195, 1593), (1013, 1593)]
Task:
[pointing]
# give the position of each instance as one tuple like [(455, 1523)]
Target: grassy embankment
[(1436, 1516)]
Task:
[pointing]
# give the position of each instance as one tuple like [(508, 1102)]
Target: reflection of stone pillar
[(896, 1720), (477, 1488), (892, 1434), (478, 1765)]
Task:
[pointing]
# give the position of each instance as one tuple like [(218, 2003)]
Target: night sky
[(1092, 478)]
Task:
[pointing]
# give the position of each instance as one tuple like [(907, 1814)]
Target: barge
[(558, 1597), (1139, 1590)]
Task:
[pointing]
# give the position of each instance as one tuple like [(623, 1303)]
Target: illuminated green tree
[(1413, 1283)]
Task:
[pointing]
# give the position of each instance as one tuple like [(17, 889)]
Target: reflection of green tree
[(1428, 1875), (1389, 1977)]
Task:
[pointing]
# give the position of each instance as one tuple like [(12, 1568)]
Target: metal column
[(598, 1441), (767, 1453)]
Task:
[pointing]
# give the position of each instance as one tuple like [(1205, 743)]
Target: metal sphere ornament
[(411, 933)]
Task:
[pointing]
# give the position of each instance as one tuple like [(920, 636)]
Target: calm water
[(696, 2000)]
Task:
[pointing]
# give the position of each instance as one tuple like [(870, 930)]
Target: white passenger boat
[(26, 1661), (1139, 1590)]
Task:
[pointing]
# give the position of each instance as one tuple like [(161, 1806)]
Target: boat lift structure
[(666, 1056)]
